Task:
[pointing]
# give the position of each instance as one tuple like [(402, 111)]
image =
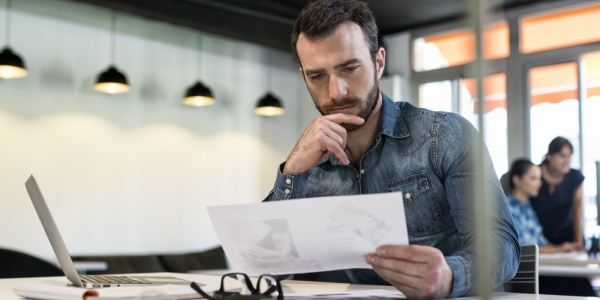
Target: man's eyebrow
[(346, 63), (338, 66)]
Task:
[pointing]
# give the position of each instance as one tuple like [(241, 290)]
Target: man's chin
[(351, 127)]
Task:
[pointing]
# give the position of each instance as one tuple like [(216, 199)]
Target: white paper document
[(309, 235)]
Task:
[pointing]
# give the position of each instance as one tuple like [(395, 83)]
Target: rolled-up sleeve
[(288, 186), (453, 158)]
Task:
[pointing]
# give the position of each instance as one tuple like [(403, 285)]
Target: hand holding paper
[(309, 235)]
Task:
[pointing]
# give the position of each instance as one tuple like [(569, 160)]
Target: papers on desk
[(309, 235), (156, 292)]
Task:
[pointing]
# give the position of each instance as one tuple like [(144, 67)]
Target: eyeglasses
[(269, 286)]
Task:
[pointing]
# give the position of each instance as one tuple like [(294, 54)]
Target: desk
[(574, 264), (289, 286)]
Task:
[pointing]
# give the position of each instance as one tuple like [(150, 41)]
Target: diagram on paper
[(268, 244), (361, 223)]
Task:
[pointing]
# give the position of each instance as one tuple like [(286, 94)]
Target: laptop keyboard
[(110, 279)]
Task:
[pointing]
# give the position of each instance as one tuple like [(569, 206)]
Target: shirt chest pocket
[(420, 205)]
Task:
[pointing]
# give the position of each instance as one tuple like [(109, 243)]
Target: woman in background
[(525, 182), (558, 207), (559, 203)]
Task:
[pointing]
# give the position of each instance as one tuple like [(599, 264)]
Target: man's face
[(339, 72)]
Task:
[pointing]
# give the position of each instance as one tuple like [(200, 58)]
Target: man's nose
[(338, 88)]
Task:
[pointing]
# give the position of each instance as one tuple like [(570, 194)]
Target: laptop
[(65, 261)]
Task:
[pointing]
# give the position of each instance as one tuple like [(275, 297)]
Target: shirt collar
[(391, 121)]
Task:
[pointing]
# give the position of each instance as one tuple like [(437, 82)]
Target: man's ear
[(301, 72), (380, 61)]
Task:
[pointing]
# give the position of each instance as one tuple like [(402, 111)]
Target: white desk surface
[(289, 286), (574, 264)]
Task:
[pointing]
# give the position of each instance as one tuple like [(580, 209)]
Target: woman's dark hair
[(557, 144), (322, 17), (519, 167)]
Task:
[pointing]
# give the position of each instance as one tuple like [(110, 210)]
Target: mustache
[(344, 102)]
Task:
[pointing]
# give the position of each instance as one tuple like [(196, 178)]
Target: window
[(560, 29), (494, 117), (458, 47), (591, 135), (554, 109), (460, 96), (436, 95)]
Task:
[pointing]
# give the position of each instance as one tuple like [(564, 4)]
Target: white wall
[(133, 173)]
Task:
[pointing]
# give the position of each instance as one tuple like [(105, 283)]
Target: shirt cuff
[(290, 186), (461, 276)]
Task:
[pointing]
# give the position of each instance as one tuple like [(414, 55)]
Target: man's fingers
[(336, 149), (339, 130), (335, 137), (411, 286), (345, 118), (418, 269), (416, 253)]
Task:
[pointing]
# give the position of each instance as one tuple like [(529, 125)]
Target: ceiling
[(270, 22)]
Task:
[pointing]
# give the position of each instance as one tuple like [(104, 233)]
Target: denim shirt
[(428, 156)]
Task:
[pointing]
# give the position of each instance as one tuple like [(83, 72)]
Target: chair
[(206, 260), (16, 264), (526, 280)]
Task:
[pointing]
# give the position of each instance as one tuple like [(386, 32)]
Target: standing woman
[(559, 209), (558, 204)]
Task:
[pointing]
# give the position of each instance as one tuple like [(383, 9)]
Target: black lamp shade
[(269, 106), (112, 81), (11, 65), (198, 95)]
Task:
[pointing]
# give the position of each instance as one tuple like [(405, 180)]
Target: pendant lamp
[(269, 105), (112, 81), (198, 94), (11, 65)]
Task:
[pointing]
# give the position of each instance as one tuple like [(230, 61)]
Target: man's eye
[(316, 77), (350, 69)]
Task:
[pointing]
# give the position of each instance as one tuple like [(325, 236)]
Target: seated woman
[(525, 182)]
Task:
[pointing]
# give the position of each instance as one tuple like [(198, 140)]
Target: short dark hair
[(519, 167), (322, 17), (556, 145)]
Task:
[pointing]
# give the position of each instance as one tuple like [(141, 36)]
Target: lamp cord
[(270, 71), (198, 56), (8, 10), (113, 46)]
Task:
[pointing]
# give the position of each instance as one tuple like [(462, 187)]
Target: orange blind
[(494, 90), (457, 47), (560, 29), (495, 41), (554, 83), (591, 63)]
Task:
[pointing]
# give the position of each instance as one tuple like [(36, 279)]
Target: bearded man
[(365, 143)]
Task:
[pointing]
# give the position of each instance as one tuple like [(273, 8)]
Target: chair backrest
[(526, 280), (16, 264)]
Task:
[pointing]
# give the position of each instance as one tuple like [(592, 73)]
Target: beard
[(366, 106)]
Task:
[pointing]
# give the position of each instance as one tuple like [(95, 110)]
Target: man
[(366, 143)]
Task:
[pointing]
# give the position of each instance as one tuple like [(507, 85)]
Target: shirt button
[(362, 171), (287, 191), (408, 196), (288, 181)]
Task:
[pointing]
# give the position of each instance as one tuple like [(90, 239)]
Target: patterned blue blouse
[(526, 222)]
